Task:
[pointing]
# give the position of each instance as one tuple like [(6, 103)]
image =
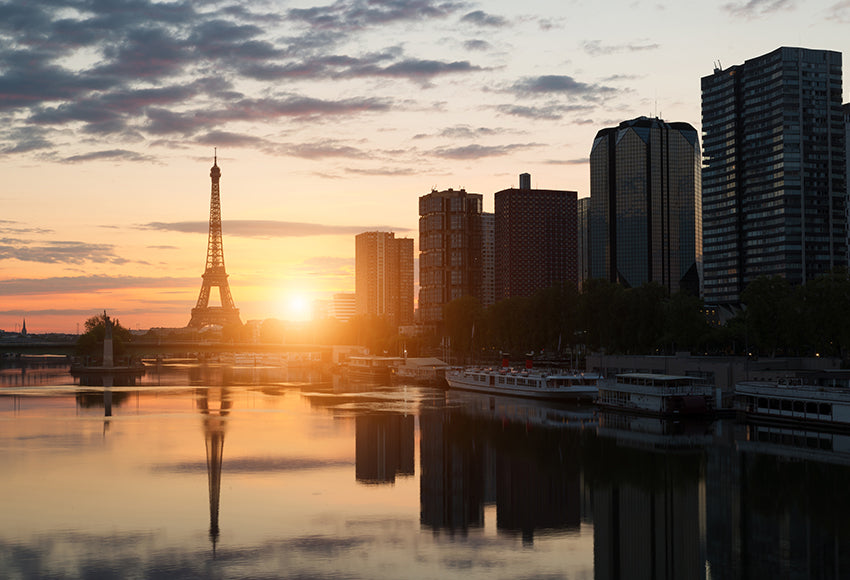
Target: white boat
[(537, 384), (657, 394), (428, 371), (792, 401), (371, 368)]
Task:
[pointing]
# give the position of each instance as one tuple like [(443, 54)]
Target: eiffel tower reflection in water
[(214, 404)]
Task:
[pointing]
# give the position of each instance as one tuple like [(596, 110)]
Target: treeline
[(776, 319)]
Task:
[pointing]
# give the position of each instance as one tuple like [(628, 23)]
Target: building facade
[(774, 171), (383, 276), (450, 250), (535, 234), (488, 258), (583, 240), (344, 306), (645, 205)]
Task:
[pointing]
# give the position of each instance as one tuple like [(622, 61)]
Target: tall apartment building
[(344, 306), (645, 205), (450, 250), (535, 239), (583, 240), (383, 276), (774, 171), (488, 258)]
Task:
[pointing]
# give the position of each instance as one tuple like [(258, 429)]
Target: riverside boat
[(793, 402), (426, 371), (657, 394), (371, 368), (536, 384)]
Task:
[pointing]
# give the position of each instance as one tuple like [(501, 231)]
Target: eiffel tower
[(215, 275)]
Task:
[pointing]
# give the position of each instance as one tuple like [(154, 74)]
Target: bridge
[(143, 348)]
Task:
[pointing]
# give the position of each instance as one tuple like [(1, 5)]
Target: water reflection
[(503, 452), (214, 404), (384, 447), (328, 480)]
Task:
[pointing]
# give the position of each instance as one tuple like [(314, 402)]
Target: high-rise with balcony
[(774, 171), (450, 251), (535, 239), (383, 276), (645, 210)]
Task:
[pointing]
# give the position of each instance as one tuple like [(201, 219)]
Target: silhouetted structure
[(214, 404), (215, 275), (450, 245), (645, 205), (384, 447), (774, 171), (383, 276), (535, 239)]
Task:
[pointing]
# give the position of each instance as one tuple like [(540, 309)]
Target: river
[(274, 472)]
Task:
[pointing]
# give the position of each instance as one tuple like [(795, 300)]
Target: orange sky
[(330, 119)]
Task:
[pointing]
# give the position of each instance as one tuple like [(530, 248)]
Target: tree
[(90, 343), (685, 324), (460, 319), (769, 312)]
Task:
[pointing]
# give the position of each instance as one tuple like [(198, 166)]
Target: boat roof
[(424, 362), (658, 376)]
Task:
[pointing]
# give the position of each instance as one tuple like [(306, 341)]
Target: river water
[(265, 472)]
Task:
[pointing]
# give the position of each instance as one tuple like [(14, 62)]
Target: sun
[(295, 307)]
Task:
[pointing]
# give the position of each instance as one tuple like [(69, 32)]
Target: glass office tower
[(645, 210)]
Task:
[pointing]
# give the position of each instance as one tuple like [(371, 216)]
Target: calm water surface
[(220, 472)]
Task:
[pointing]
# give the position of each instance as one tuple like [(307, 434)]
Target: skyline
[(330, 120)]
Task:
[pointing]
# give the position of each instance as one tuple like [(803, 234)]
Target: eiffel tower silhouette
[(215, 275)]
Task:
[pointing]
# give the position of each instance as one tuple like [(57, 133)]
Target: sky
[(329, 119)]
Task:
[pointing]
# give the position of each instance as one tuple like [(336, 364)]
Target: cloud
[(87, 284), (58, 252), (109, 155), (481, 18), (12, 227), (547, 113), (360, 14), (477, 44), (550, 112), (579, 161), (560, 84), (135, 70), (265, 228), (476, 151), (840, 11), (163, 121), (755, 8), (596, 48), (324, 150), (328, 266), (383, 171)]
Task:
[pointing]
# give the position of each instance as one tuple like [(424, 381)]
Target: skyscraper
[(583, 240), (383, 276), (450, 246), (645, 208), (488, 258), (535, 239), (774, 172)]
